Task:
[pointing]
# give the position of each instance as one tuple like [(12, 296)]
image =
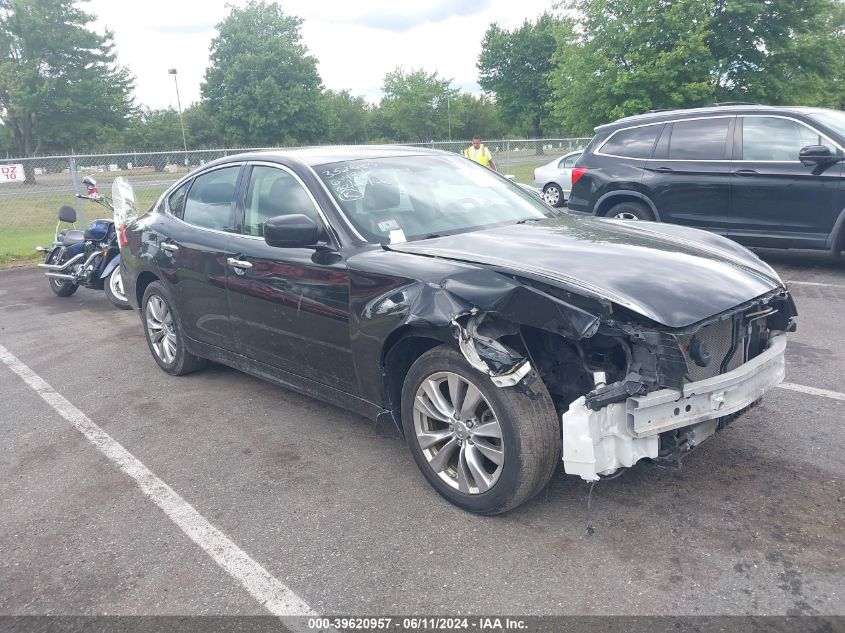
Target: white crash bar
[(600, 442)]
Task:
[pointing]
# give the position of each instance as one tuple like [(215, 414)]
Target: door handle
[(745, 173), (238, 263), (170, 248), (664, 170)]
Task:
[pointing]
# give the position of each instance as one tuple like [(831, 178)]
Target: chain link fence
[(33, 189)]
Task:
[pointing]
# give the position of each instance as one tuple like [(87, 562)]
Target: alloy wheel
[(551, 195), (625, 215), (458, 433), (161, 329)]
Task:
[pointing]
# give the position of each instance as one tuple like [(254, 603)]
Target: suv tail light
[(577, 172)]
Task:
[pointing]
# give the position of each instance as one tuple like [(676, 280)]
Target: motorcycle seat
[(72, 236)]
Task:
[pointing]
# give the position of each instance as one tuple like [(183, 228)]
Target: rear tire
[(60, 288), (163, 331), (114, 290), (629, 210), (512, 435)]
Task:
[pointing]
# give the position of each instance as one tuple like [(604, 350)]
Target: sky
[(356, 43)]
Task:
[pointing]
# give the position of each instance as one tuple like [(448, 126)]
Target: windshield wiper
[(524, 220)]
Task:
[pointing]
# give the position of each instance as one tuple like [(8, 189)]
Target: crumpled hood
[(671, 274)]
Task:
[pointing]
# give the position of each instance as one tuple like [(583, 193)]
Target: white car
[(555, 178)]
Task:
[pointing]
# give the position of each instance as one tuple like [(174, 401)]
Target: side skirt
[(302, 385)]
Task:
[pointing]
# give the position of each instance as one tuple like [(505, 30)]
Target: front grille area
[(717, 339)]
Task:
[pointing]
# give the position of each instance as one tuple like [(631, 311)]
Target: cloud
[(400, 22), (202, 27)]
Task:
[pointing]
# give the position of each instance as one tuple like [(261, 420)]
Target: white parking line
[(277, 598), (813, 391), (813, 283)]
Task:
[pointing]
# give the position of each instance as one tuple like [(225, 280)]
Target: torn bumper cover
[(600, 442), (487, 355)]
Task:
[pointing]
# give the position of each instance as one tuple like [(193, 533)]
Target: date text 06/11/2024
[(485, 624)]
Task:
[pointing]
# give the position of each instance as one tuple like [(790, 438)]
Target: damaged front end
[(627, 391), (682, 387)]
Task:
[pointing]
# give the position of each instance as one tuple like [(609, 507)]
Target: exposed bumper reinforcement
[(618, 435)]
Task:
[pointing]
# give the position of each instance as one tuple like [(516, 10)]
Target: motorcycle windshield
[(123, 200)]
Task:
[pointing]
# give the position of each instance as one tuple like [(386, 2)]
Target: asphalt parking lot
[(335, 509)]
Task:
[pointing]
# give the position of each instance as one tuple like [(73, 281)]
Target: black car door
[(289, 306), (776, 200), (192, 251), (689, 175)]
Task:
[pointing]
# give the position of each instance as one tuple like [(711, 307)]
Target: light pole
[(449, 115), (172, 71)]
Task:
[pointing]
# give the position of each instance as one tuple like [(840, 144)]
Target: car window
[(273, 192), (636, 142), (209, 200), (569, 161), (701, 139), (177, 198), (768, 138)]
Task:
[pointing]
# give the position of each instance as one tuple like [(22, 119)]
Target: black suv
[(764, 176)]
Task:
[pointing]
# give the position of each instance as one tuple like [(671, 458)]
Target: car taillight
[(122, 240), (577, 172)]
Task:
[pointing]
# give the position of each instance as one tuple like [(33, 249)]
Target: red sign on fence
[(12, 173)]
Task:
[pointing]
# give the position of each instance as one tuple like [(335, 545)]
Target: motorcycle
[(91, 258)]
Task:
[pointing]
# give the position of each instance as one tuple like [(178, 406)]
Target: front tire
[(163, 331), (485, 449), (553, 195), (114, 290)]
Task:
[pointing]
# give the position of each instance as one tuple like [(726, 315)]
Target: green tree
[(627, 56), (632, 56), (60, 87), (200, 127), (778, 51), (473, 115), (262, 87), (348, 117), (514, 65), (154, 130), (416, 105)]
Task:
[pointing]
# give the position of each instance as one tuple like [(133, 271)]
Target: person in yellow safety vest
[(480, 154)]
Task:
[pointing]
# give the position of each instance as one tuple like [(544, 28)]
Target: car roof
[(340, 153), (657, 116)]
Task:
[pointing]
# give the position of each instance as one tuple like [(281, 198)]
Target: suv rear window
[(701, 139), (637, 142)]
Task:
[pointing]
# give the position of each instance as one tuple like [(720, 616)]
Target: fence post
[(508, 151), (80, 206)]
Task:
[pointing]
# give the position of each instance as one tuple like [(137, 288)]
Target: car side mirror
[(817, 155), (291, 231), (67, 214)]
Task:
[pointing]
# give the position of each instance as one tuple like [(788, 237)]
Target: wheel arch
[(144, 280), (608, 200), (401, 349), (836, 239)]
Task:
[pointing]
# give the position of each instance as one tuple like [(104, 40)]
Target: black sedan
[(499, 335)]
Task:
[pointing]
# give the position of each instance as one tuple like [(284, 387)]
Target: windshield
[(833, 119), (414, 197)]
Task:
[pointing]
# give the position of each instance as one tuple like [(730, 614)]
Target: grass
[(523, 173), (29, 220)]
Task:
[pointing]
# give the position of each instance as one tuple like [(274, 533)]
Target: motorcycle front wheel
[(114, 290)]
